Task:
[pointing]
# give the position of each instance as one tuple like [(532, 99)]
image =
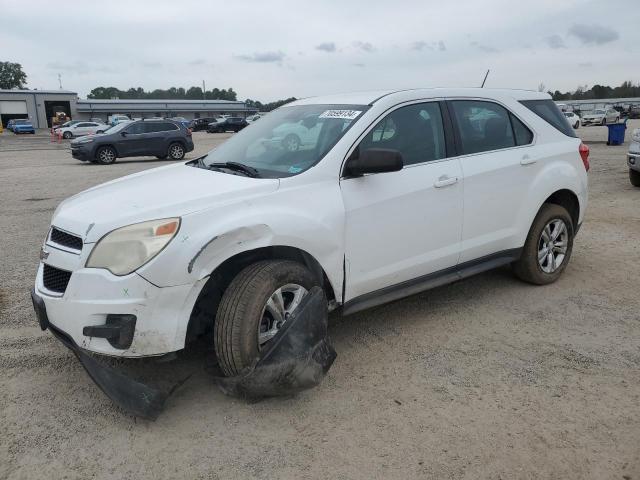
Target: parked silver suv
[(633, 158)]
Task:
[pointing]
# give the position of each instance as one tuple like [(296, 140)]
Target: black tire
[(634, 178), (67, 135), (106, 155), (603, 122), (291, 142), (527, 268), (176, 151), (161, 157), (576, 126), (242, 306)]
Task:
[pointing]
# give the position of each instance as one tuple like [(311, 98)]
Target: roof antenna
[(485, 78)]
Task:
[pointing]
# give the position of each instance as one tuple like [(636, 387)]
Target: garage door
[(13, 106)]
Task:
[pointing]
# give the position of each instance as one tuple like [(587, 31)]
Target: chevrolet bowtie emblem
[(43, 254)]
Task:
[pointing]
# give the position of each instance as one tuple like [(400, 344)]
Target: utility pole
[(203, 90), (60, 81)]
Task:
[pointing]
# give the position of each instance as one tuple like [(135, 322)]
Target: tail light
[(188, 132), (584, 154)]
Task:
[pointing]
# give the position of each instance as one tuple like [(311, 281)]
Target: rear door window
[(483, 126), (549, 111), (523, 135)]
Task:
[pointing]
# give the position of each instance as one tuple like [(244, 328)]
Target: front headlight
[(84, 140), (126, 249)]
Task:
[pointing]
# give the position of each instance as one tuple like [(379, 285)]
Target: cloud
[(80, 67), (263, 57), (421, 45), (327, 47), (361, 65), (364, 46), (593, 34), (484, 48), (585, 65), (555, 42), (197, 61), (151, 64)]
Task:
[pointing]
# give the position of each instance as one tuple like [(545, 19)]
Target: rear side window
[(162, 127), (523, 135), (549, 111), (483, 126)]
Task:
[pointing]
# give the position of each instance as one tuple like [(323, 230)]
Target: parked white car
[(601, 117), (633, 158), (296, 135), (115, 119), (81, 129), (573, 119), (253, 118), (397, 192)]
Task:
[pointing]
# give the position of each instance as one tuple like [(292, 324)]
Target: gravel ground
[(485, 378)]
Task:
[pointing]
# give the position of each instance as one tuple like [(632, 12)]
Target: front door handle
[(445, 181), (527, 160)]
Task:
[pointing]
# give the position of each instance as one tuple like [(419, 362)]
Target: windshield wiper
[(239, 167)]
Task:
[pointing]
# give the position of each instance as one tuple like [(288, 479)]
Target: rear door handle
[(527, 160), (445, 181)]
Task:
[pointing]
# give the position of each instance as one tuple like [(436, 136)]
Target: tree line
[(627, 90), (173, 93)]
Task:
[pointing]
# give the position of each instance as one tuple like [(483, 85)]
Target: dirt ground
[(486, 378)]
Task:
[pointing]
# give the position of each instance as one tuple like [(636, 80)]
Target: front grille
[(55, 279), (66, 239)]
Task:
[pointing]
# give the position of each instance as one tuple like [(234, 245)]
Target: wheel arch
[(203, 314), (567, 199)]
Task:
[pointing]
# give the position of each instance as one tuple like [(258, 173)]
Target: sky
[(273, 49)]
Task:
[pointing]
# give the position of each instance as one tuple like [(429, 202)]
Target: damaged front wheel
[(257, 303)]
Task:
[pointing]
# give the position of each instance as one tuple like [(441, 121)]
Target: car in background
[(97, 120), (300, 135), (159, 138), (633, 158), (82, 128), (11, 123), (115, 119), (181, 120), (23, 126), (229, 124), (198, 124), (66, 124), (253, 118), (573, 119), (601, 117)]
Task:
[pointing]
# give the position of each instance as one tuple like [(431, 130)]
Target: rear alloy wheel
[(67, 135), (255, 306), (176, 151), (106, 155), (548, 247), (634, 178)]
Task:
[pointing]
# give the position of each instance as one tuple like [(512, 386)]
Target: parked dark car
[(229, 124), (160, 138), (199, 124)]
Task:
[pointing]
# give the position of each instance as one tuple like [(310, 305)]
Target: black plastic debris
[(297, 358)]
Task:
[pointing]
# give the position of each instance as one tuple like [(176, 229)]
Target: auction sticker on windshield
[(345, 114)]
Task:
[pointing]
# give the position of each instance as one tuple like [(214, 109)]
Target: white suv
[(399, 191)]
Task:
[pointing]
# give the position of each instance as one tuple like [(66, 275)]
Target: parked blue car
[(22, 126)]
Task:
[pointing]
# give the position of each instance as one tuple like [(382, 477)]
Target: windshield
[(599, 112), (289, 140), (22, 122)]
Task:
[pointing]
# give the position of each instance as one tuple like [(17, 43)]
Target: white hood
[(170, 191)]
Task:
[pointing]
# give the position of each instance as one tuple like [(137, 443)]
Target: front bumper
[(633, 160), (594, 121), (82, 153), (93, 297)]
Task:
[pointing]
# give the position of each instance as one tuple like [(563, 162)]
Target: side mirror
[(124, 134), (373, 160)]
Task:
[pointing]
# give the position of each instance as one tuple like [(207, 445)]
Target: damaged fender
[(298, 357)]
